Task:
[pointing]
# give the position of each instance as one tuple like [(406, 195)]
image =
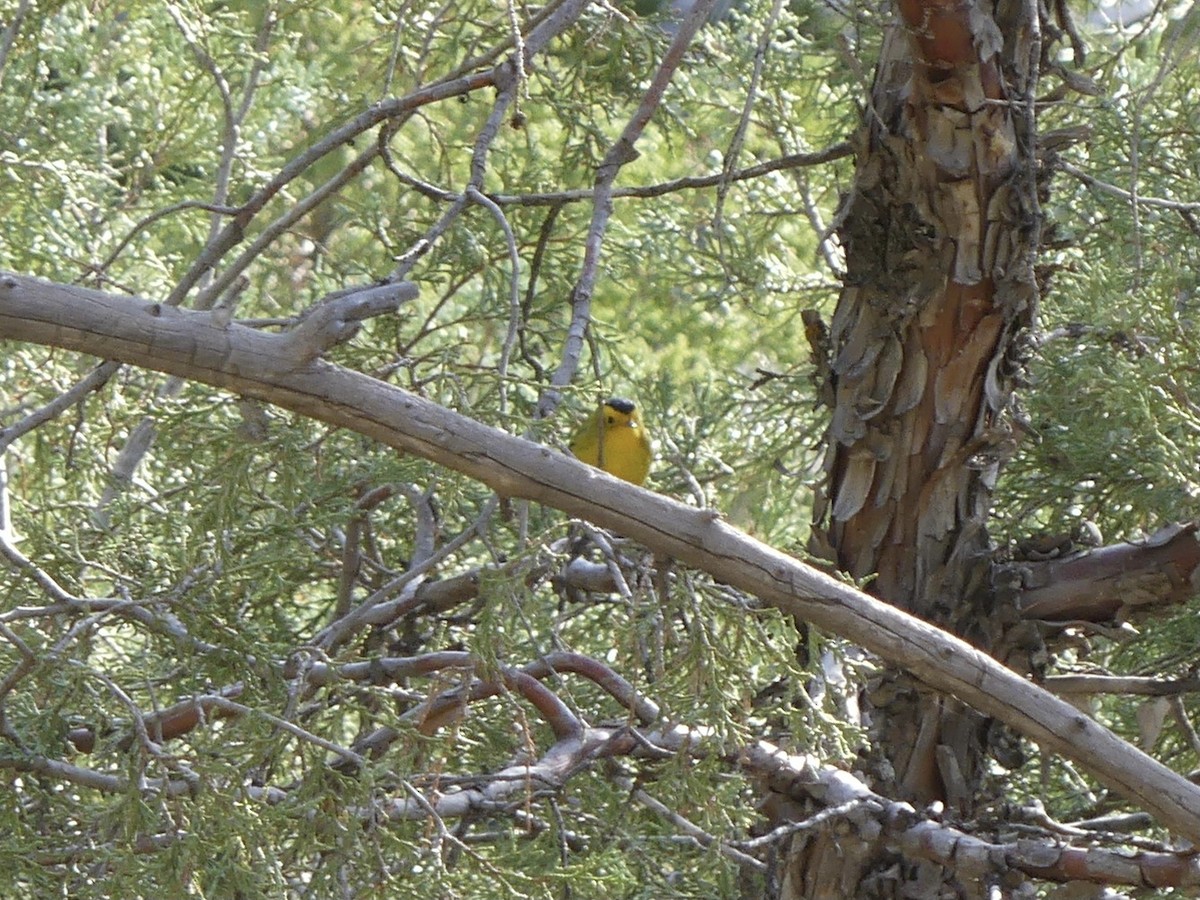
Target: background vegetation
[(127, 130)]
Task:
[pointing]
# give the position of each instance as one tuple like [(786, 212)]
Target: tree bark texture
[(940, 231)]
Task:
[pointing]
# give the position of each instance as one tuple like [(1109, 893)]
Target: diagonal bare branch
[(192, 345)]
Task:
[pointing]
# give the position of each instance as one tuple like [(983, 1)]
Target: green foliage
[(1119, 315), (231, 535), (1112, 406), (225, 554)]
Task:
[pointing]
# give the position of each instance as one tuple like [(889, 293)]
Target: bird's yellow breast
[(613, 439)]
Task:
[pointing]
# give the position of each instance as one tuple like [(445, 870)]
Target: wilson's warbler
[(614, 439)]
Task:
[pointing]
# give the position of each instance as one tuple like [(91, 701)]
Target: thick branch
[(192, 345), (1114, 582)]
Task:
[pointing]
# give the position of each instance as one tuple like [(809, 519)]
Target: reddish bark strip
[(940, 233)]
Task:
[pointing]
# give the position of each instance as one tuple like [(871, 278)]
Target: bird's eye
[(610, 420)]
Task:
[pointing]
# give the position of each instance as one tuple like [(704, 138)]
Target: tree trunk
[(940, 232)]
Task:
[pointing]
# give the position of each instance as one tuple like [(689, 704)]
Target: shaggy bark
[(941, 230)]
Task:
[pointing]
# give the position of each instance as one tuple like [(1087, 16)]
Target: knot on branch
[(338, 317)]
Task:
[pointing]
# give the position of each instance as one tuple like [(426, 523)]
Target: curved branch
[(192, 345), (603, 676), (1133, 199)]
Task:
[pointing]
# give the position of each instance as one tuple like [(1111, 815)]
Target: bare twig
[(784, 163), (28, 661), (506, 86), (813, 822), (619, 154), (294, 213), (9, 34), (44, 580), (95, 380), (1179, 711), (507, 79), (340, 631), (734, 151), (696, 833), (514, 292), (142, 436), (145, 222), (823, 234), (1135, 199), (222, 701)]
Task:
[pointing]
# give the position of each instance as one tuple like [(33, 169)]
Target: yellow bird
[(614, 439)]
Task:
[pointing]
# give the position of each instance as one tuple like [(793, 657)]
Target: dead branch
[(191, 345)]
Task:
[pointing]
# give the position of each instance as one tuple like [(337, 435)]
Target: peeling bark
[(941, 230)]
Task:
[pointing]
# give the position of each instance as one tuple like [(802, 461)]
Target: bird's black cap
[(621, 405)]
